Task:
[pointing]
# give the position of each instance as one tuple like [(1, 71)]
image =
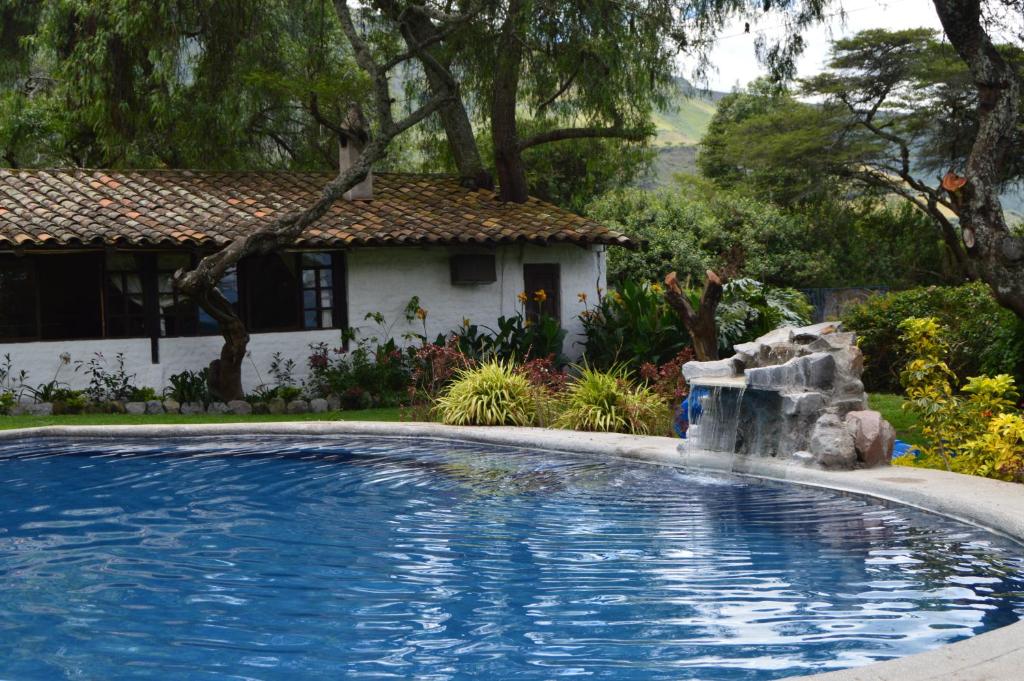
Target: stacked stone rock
[(169, 406), (803, 398)]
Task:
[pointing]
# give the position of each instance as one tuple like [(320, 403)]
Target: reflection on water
[(328, 558)]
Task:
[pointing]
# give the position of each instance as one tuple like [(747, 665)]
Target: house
[(87, 259)]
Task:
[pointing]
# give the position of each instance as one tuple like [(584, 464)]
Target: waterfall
[(714, 416)]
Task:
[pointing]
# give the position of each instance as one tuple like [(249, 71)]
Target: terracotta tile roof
[(59, 208)]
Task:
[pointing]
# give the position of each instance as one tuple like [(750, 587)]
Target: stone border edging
[(997, 655)]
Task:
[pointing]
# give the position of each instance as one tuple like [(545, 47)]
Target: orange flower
[(582, 297), (421, 313), (540, 295), (522, 297)]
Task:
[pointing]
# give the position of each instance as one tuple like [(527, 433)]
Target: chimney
[(347, 155)]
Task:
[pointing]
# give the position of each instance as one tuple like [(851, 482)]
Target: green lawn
[(891, 408), (7, 422)]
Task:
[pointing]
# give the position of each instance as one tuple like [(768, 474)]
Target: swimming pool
[(316, 557)]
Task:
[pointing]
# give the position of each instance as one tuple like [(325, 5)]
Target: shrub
[(984, 338), (492, 394), (667, 380), (632, 326), (12, 383), (515, 339), (609, 402), (434, 367), (7, 401), (978, 432), (189, 386), (70, 402), (544, 374), (107, 383), (144, 394), (371, 374), (749, 309)]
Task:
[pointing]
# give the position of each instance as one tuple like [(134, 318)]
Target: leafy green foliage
[(775, 147), (373, 373), (189, 386), (632, 326), (984, 338), (610, 402), (492, 394), (694, 227), (573, 173), (979, 431), (749, 309), (107, 382), (515, 340), (7, 401), (220, 83)]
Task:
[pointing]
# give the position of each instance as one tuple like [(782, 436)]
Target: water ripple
[(322, 558)]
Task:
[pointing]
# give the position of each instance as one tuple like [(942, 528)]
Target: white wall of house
[(379, 280)]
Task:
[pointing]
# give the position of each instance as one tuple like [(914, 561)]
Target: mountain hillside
[(679, 128)]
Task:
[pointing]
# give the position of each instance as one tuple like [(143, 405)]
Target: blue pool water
[(330, 558)]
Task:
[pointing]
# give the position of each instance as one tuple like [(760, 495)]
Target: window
[(178, 314), (270, 288), (124, 304), (17, 298), (131, 295), (317, 290), (70, 291), (546, 278), (473, 269)]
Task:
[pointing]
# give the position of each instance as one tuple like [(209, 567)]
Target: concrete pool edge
[(994, 656)]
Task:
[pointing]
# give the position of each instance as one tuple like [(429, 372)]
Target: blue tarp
[(902, 448)]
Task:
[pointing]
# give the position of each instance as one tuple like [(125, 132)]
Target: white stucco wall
[(379, 280)]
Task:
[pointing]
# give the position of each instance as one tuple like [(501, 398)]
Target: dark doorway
[(547, 278)]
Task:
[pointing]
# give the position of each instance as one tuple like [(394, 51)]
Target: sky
[(734, 62)]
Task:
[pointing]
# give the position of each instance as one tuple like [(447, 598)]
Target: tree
[(894, 108), (694, 226), (996, 252), (173, 83), (555, 69), (913, 105), (201, 282)]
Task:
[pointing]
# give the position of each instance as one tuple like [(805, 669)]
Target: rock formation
[(796, 394)]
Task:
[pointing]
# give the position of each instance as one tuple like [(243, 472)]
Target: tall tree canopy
[(218, 83), (893, 113)]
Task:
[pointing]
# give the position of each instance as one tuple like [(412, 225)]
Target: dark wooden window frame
[(149, 275)]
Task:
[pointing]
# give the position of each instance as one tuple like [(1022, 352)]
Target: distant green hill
[(679, 128)]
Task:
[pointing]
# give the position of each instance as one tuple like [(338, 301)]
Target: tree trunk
[(996, 252), (225, 378), (508, 157), (700, 322), (418, 29)]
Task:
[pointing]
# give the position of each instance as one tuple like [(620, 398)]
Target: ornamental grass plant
[(494, 393), (609, 402)]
